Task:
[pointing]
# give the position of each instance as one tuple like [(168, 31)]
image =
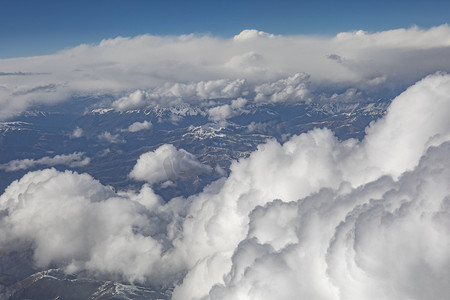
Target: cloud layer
[(173, 94), (167, 164), (168, 70), (76, 159), (314, 218)]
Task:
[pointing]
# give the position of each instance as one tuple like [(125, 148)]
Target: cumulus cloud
[(168, 70), (167, 164), (293, 88), (74, 220), (249, 34), (138, 126), (76, 159), (378, 241), (314, 217), (415, 121), (326, 175), (178, 93), (350, 95), (137, 99), (226, 111)]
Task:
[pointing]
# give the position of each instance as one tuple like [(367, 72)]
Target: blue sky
[(30, 27)]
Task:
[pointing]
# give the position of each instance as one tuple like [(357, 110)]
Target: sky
[(30, 28)]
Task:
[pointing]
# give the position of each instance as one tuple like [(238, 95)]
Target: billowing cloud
[(76, 159), (293, 89), (167, 164), (226, 111), (138, 126), (74, 220), (173, 94), (170, 70), (317, 178), (249, 34), (314, 217), (415, 121), (136, 99), (378, 241)]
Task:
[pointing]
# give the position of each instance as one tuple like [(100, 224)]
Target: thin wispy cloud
[(21, 74), (108, 137), (76, 159)]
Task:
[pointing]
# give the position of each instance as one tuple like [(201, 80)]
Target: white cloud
[(291, 89), (378, 241), (73, 160), (238, 103), (75, 221), (77, 133), (138, 126), (414, 121), (398, 38), (170, 70), (314, 218), (178, 93), (220, 113), (350, 173), (167, 164), (226, 111), (137, 99), (250, 34)]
